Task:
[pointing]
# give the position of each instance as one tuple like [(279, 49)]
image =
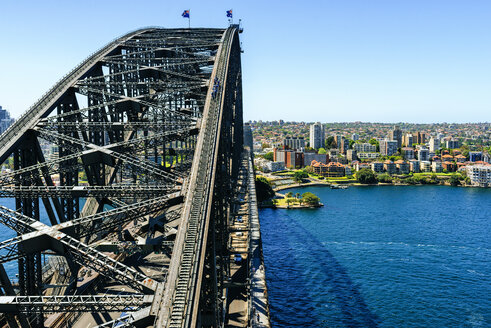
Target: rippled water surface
[(381, 257)]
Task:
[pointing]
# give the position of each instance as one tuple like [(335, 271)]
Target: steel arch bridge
[(128, 213)]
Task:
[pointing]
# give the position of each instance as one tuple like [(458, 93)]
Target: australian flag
[(185, 14), (229, 13)]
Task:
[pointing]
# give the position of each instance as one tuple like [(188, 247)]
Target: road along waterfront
[(381, 257)]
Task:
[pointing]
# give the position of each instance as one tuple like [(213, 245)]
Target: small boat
[(336, 186)]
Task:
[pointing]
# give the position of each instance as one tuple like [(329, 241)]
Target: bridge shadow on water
[(337, 300)]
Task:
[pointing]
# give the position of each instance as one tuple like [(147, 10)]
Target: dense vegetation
[(366, 176), (264, 191)]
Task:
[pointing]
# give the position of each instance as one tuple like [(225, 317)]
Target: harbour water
[(381, 257)]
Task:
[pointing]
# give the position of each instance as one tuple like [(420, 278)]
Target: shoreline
[(315, 184)]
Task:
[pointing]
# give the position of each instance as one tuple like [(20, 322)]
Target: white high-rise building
[(434, 144), (317, 135)]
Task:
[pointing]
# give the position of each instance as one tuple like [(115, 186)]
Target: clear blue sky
[(329, 61)]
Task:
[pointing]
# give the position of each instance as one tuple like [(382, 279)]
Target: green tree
[(264, 191), (310, 198), (366, 176), (385, 178), (373, 141), (454, 180), (300, 175), (289, 201), (297, 195), (322, 151), (289, 194), (351, 143), (330, 141), (269, 156)]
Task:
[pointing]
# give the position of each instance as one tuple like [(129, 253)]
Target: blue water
[(381, 257), (6, 233)]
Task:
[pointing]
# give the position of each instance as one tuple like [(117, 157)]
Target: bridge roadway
[(128, 222)]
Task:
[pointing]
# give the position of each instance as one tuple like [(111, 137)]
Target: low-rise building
[(414, 165), (378, 167), (335, 169), (390, 167), (360, 166), (460, 158), (425, 166), (449, 166), (437, 167), (480, 175), (402, 167), (447, 158), (364, 147), (368, 155)]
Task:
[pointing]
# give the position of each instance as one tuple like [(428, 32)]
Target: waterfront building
[(317, 135), (425, 166), (408, 152), (434, 144), (319, 168), (5, 120), (402, 167), (364, 147), (480, 175), (335, 170), (437, 167), (390, 167), (360, 166), (396, 134), (423, 154), (351, 155), (332, 169), (308, 157), (475, 156), (368, 155), (449, 166), (452, 144), (297, 143), (414, 165), (388, 147), (378, 167)]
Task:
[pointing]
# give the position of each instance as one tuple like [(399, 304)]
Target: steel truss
[(148, 127)]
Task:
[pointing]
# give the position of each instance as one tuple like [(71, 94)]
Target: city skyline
[(337, 62)]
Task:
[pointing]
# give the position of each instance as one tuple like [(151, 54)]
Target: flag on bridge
[(229, 13), (185, 14)]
